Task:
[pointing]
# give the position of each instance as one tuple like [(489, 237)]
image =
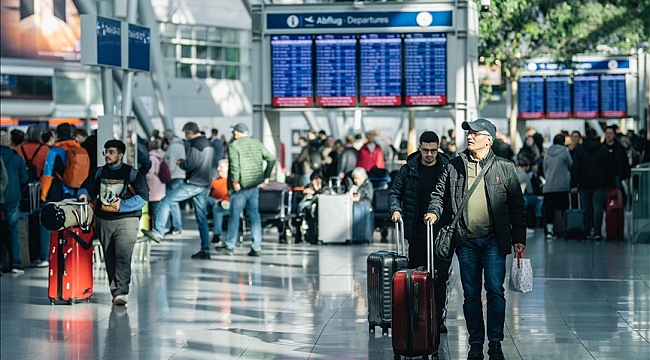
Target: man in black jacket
[(592, 173), (489, 226), (409, 199)]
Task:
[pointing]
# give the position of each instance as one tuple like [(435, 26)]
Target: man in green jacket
[(246, 158)]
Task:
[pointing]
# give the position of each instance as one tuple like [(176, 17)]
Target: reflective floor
[(590, 301)]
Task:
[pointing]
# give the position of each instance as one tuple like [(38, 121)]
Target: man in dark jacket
[(17, 176), (490, 225), (121, 193), (409, 198), (618, 156), (198, 177), (592, 174)]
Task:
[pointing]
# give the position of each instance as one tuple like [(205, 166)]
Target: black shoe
[(494, 351), (475, 352), (254, 253), (443, 328), (152, 235), (201, 255), (215, 239), (224, 251)]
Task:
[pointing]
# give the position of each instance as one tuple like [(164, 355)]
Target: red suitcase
[(614, 215), (71, 265), (415, 332)]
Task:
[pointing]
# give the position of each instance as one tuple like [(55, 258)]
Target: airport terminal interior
[(590, 301)]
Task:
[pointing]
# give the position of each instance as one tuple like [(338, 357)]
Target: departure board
[(558, 97), (613, 100), (425, 69), (291, 70), (381, 69), (336, 70), (531, 97), (585, 96)]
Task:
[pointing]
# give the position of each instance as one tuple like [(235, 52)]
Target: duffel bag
[(65, 214)]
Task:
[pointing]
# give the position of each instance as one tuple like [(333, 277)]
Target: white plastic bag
[(521, 274)]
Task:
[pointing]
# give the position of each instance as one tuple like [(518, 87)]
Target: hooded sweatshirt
[(157, 189), (175, 151), (557, 168)]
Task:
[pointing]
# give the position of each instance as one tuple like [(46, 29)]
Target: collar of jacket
[(466, 158)]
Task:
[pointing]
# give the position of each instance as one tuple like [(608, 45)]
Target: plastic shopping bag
[(521, 274)]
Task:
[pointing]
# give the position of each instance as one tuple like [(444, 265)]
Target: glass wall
[(199, 52)]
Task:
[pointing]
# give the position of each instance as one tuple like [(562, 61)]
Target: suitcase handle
[(399, 237), (430, 247)]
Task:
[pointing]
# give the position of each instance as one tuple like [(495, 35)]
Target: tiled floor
[(590, 301)]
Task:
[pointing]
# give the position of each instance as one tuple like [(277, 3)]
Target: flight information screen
[(613, 96), (558, 97), (336, 70), (425, 69), (291, 70), (381, 69), (585, 96), (531, 97)]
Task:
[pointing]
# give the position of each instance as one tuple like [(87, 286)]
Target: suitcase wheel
[(384, 331), (71, 301), (88, 300), (371, 328), (51, 301)]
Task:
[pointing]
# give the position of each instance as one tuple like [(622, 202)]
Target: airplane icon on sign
[(309, 19)]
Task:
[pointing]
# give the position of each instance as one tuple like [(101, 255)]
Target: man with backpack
[(66, 167), (121, 193)]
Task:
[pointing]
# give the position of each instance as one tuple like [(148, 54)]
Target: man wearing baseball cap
[(491, 223)]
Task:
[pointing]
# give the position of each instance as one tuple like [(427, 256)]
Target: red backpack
[(163, 173)]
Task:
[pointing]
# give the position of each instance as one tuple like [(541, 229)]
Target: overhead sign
[(436, 19), (26, 87), (101, 41), (292, 70), (137, 40), (599, 65)]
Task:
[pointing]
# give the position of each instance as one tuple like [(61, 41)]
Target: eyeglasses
[(109, 152), (429, 151), (475, 134)]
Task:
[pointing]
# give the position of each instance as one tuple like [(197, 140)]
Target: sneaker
[(475, 352), (598, 238), (17, 270), (120, 300), (40, 264), (152, 235), (494, 351), (443, 328), (254, 253), (176, 232), (215, 239), (549, 236), (201, 255), (224, 251), (220, 244)]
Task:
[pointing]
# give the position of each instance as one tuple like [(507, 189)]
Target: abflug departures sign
[(139, 47), (359, 59)]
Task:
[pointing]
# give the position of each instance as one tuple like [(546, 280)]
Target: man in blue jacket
[(17, 175)]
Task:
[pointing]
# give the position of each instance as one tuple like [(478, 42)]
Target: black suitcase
[(575, 222), (381, 267), (363, 222)]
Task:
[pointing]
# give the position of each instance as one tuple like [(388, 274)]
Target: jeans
[(177, 220), (306, 179), (12, 216), (44, 252), (249, 199), (532, 201), (183, 192), (480, 257), (217, 215), (593, 201)]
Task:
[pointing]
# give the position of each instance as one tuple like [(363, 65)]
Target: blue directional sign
[(531, 97), (558, 97), (585, 96), (139, 48), (109, 42), (613, 97)]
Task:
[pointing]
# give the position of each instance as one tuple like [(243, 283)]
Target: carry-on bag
[(575, 222), (416, 330), (363, 222), (71, 265), (65, 214), (614, 216), (334, 216), (381, 266)]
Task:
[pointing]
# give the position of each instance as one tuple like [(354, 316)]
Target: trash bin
[(641, 203)]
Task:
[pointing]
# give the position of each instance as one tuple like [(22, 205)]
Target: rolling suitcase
[(363, 222), (415, 329), (575, 222), (614, 215), (334, 216), (71, 265), (381, 266)]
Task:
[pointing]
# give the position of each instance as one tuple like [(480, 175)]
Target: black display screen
[(531, 97), (291, 70), (425, 69), (336, 70), (585, 96), (558, 97), (613, 97), (381, 69)]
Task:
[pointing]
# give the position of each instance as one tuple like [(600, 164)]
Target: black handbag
[(445, 235)]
